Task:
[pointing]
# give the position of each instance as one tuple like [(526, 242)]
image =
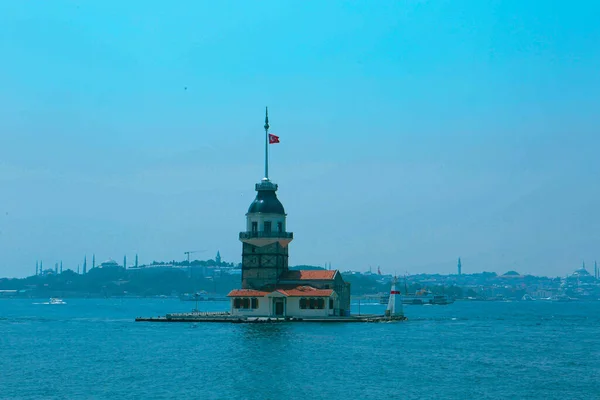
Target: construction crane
[(188, 259), (192, 252)]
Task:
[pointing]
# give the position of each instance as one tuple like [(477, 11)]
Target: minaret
[(136, 260), (459, 267), (77, 269), (595, 270), (61, 267), (85, 265), (56, 268), (41, 267), (36, 268), (218, 258), (93, 261), (394, 308), (124, 262), (265, 241)]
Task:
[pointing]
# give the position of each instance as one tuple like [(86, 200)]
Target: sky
[(412, 132)]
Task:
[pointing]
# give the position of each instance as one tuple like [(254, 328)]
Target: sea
[(93, 349)]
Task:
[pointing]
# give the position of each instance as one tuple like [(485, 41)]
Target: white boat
[(422, 297), (426, 297), (198, 296), (54, 300), (527, 297)]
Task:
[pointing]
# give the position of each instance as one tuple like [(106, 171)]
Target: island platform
[(235, 319)]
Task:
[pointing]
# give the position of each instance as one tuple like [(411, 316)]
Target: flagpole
[(266, 143)]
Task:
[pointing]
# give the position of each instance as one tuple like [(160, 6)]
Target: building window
[(237, 302), (254, 227), (280, 227), (245, 302), (331, 304), (254, 303), (303, 303), (313, 303), (267, 226)]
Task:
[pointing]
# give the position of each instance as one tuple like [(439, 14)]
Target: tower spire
[(266, 143)]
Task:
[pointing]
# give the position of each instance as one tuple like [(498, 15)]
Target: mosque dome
[(109, 263), (266, 202), (581, 272)]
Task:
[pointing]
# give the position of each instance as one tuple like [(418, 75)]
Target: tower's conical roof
[(266, 201)]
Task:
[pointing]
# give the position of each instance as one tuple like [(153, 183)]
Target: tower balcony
[(268, 235), (266, 185), (261, 238)]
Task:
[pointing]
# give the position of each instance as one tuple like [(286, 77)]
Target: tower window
[(280, 227), (254, 227), (267, 226)]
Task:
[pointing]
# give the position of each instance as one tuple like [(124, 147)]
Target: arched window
[(237, 302), (303, 303), (312, 303), (246, 303), (320, 303), (254, 302)]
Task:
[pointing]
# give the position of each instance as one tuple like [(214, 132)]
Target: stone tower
[(265, 241)]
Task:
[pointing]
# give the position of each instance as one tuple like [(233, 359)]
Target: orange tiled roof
[(319, 274), (300, 291), (247, 293)]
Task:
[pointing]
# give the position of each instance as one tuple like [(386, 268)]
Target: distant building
[(581, 275), (511, 274), (269, 288), (218, 258), (110, 263)]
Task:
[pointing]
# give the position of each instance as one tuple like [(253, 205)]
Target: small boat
[(54, 300), (384, 298), (527, 297), (198, 296)]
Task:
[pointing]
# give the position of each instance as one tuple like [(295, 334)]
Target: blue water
[(92, 349)]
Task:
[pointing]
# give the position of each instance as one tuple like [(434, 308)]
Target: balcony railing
[(265, 185), (268, 235)]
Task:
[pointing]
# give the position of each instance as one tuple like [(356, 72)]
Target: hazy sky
[(412, 132)]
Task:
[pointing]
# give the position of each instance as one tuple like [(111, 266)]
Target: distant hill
[(306, 267)]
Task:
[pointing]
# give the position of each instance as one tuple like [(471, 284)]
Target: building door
[(279, 307)]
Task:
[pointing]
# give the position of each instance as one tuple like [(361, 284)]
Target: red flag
[(273, 139)]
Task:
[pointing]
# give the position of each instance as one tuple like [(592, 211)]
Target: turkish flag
[(273, 139)]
